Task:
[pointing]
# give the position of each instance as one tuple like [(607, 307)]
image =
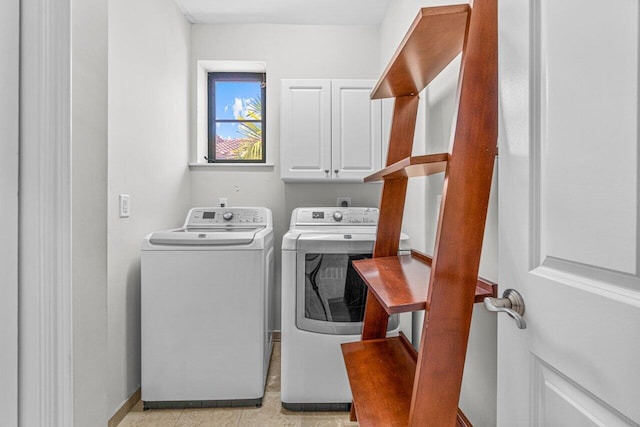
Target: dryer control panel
[(335, 216), (227, 216)]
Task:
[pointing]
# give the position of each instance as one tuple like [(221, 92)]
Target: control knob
[(337, 215), (227, 216)]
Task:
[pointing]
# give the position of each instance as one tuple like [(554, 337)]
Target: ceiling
[(310, 12)]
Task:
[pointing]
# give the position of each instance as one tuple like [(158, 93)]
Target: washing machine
[(323, 301), (207, 295)]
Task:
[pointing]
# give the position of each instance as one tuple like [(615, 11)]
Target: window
[(236, 117)]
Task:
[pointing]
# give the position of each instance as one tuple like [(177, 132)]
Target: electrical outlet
[(125, 206), (344, 202), (223, 202)]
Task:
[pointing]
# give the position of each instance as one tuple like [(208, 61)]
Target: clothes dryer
[(323, 302)]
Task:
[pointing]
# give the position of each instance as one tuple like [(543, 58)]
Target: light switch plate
[(125, 206)]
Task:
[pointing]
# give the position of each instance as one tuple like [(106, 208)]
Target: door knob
[(510, 303)]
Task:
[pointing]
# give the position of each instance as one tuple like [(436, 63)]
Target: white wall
[(478, 398), (290, 51), (148, 155), (89, 203)]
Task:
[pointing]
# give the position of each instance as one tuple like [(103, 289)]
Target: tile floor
[(271, 414)]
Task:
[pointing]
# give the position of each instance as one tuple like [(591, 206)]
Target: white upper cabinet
[(355, 130), (330, 130), (305, 130)]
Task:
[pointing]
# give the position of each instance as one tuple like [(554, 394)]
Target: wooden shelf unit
[(392, 384)]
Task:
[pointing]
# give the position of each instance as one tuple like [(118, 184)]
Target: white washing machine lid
[(245, 227), (205, 236)]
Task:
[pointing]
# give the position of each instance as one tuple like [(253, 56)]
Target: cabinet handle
[(336, 171), (326, 172)]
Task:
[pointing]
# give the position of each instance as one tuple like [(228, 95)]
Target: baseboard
[(125, 408)]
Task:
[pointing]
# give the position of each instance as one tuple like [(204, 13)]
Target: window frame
[(237, 76)]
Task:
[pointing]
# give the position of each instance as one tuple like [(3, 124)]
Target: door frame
[(45, 374), (9, 134)]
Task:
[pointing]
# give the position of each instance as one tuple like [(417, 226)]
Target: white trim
[(202, 68), (9, 134), (45, 374), (212, 166)]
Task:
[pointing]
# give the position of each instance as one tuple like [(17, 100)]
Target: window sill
[(205, 166)]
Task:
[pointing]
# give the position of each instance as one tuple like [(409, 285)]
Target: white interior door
[(569, 212), (9, 79)]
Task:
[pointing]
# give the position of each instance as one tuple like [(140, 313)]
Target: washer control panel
[(336, 216), (226, 216)]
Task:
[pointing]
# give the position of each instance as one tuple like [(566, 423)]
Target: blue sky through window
[(231, 97)]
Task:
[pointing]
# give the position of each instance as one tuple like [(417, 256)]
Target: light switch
[(125, 206)]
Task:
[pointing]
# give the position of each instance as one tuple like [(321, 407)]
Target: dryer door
[(330, 295)]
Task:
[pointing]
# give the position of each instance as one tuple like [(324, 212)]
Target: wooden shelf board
[(434, 39), (401, 283), (428, 164), (484, 287), (381, 374)]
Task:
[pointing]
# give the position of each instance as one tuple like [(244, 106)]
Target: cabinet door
[(356, 130), (305, 131)]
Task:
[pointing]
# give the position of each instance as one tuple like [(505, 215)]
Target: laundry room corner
[(154, 158)]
